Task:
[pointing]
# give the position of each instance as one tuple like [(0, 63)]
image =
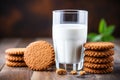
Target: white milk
[(68, 40)]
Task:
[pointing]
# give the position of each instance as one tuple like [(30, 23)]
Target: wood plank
[(117, 42), (42, 75), (112, 76), (24, 73), (5, 44), (15, 74), (18, 73), (53, 76), (63, 77), (39, 75), (115, 75), (46, 39), (117, 54), (25, 42)]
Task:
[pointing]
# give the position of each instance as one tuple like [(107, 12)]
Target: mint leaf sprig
[(104, 33)]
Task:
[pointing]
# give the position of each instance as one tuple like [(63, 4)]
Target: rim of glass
[(70, 10)]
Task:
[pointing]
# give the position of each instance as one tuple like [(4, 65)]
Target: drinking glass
[(69, 33)]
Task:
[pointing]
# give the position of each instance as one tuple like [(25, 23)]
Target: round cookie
[(96, 53), (98, 60), (99, 45), (39, 55), (15, 51), (97, 66), (15, 64), (14, 58), (101, 71)]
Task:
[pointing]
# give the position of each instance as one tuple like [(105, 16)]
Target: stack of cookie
[(14, 57), (98, 57)]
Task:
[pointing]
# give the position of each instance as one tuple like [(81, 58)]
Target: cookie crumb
[(61, 71), (82, 72), (73, 72)]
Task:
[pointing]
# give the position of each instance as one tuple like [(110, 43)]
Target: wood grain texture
[(5, 44), (9, 73), (46, 39), (24, 73), (25, 42), (19, 73), (117, 54)]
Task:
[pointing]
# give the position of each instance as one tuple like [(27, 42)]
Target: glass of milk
[(69, 32)]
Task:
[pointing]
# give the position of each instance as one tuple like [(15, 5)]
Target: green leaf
[(97, 38), (92, 35), (102, 26), (105, 32), (110, 30), (107, 38)]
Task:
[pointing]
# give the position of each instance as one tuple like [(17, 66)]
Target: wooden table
[(24, 73)]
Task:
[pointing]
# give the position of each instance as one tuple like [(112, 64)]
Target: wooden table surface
[(24, 73)]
